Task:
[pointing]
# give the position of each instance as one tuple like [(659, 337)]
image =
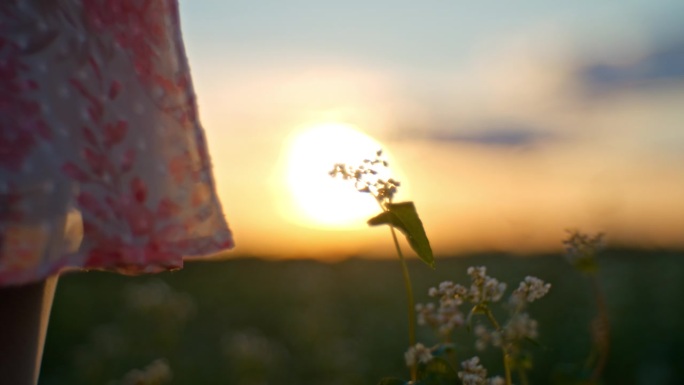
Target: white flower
[(445, 286), (498, 380), (579, 245), (416, 354), (486, 337), (157, 372), (444, 318), (426, 314), (521, 326), (531, 289), (449, 316), (447, 290), (477, 273), (484, 288), (493, 290), (473, 373), (482, 337)]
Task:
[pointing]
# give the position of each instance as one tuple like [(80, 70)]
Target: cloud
[(499, 135), (662, 67)]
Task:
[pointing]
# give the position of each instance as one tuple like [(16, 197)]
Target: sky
[(506, 123)]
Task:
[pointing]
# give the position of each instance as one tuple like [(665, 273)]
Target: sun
[(316, 199)]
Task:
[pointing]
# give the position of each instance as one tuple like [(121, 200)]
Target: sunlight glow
[(317, 199)]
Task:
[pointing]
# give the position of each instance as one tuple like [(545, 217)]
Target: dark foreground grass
[(248, 321)]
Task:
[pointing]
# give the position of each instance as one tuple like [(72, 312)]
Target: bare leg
[(24, 314)]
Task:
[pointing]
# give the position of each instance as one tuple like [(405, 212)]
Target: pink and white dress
[(103, 162)]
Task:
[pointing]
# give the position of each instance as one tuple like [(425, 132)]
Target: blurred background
[(506, 123), (250, 321)]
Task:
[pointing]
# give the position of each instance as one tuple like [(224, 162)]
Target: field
[(247, 321)]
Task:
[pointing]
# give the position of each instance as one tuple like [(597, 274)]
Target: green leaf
[(392, 381), (404, 217)]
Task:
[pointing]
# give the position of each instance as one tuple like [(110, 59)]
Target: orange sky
[(502, 147)]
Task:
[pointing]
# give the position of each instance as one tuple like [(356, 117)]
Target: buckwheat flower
[(483, 288), (426, 314), (444, 318), (449, 316), (520, 327), (483, 336), (531, 289), (157, 372), (486, 337), (447, 290), (579, 245), (493, 290), (367, 178), (477, 273), (473, 373), (417, 353), (488, 290), (498, 380)]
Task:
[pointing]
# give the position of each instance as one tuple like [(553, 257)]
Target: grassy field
[(248, 321)]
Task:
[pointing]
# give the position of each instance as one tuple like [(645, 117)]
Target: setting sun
[(316, 199)]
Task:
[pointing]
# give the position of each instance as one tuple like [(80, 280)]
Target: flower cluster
[(447, 316), (368, 177), (483, 287), (475, 374), (444, 318), (157, 298), (580, 246), (521, 327), (483, 292), (518, 328), (417, 354), (531, 289), (448, 290), (485, 337), (157, 372)]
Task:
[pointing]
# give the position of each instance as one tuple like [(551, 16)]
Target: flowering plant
[(510, 337), (428, 365), (402, 216)]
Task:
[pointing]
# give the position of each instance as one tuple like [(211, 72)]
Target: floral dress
[(103, 163)]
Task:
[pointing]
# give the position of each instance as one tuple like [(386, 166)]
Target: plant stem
[(506, 355), (507, 367), (602, 330), (491, 319), (523, 376), (409, 296)]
